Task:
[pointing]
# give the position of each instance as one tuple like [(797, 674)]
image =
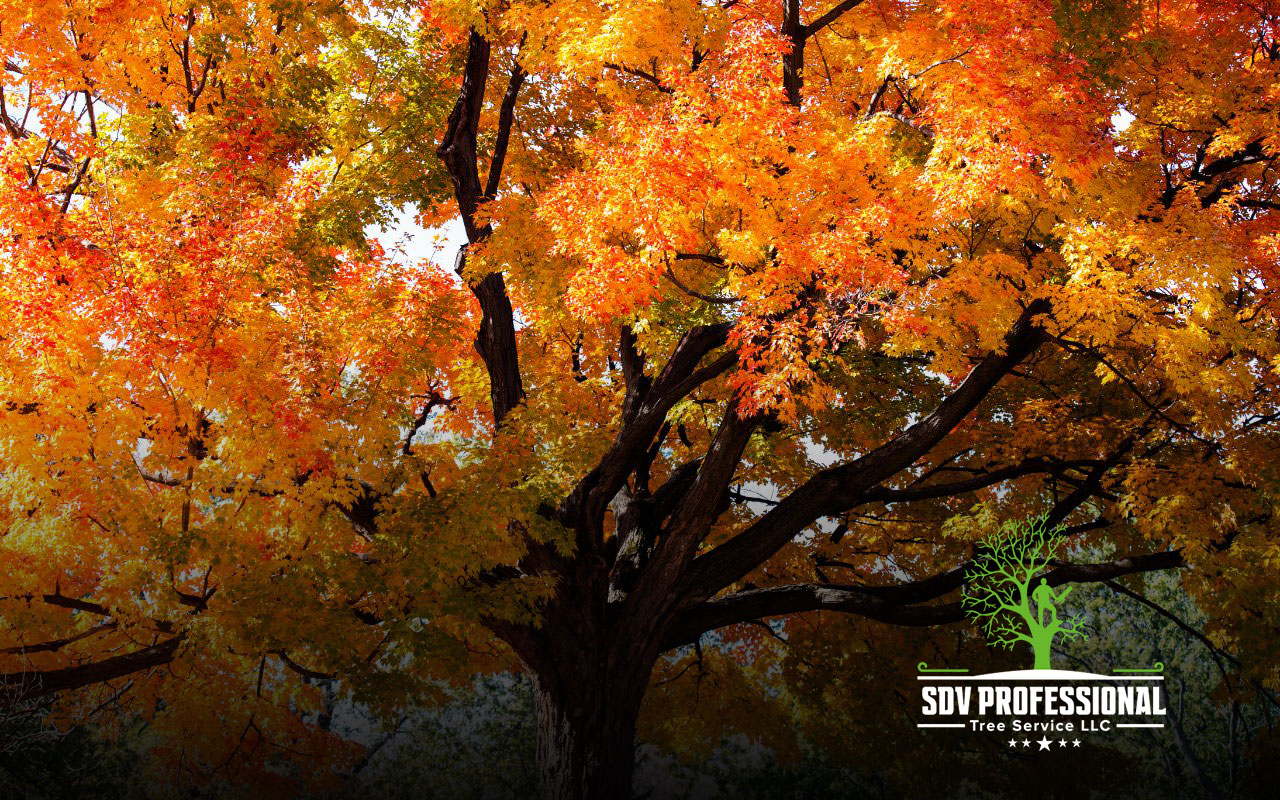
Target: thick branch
[(496, 343), (633, 376), (55, 645), (793, 61), (35, 683), (506, 116), (831, 16), (798, 34), (496, 339), (458, 148), (839, 488), (1204, 174), (700, 504), (644, 411), (891, 604)]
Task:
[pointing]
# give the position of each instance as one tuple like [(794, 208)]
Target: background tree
[(775, 309)]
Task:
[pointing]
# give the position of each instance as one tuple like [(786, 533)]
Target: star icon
[(1044, 742), (1026, 742), (1062, 742), (1076, 742), (1013, 742)]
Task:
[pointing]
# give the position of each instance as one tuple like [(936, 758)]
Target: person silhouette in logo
[(1047, 600)]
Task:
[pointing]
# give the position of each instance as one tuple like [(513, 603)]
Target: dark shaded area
[(482, 743)]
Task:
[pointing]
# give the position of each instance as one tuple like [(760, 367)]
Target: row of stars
[(1044, 742)]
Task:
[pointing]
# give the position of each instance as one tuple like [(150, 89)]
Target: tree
[(764, 310), (999, 591)]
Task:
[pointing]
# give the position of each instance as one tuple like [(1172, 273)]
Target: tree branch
[(644, 411), (639, 73), (506, 116), (36, 683), (911, 494), (839, 488), (496, 339), (301, 670), (699, 505), (831, 16), (894, 604), (458, 147)]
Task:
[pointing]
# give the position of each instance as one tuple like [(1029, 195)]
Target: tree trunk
[(1042, 648), (793, 61), (586, 734)]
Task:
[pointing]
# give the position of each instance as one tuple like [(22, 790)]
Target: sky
[(416, 243)]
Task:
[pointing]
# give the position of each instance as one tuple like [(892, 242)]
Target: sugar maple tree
[(766, 308)]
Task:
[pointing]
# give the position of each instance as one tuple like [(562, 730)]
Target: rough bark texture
[(590, 669), (793, 61), (586, 733)]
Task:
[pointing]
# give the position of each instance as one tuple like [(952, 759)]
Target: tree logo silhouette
[(1009, 599)]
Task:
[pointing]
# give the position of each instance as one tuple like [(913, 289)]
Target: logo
[(1000, 596), (1010, 596)]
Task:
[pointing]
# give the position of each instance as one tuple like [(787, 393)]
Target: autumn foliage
[(755, 295)]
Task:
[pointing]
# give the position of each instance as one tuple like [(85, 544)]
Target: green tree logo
[(1007, 599)]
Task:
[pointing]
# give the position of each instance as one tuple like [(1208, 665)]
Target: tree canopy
[(766, 308)]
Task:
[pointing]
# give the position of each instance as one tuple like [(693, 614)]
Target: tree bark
[(590, 663), (586, 741), (793, 60)]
